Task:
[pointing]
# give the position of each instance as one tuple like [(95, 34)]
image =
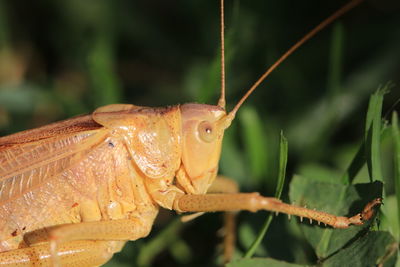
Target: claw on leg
[(369, 211), (358, 219)]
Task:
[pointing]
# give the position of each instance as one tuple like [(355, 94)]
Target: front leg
[(254, 202)]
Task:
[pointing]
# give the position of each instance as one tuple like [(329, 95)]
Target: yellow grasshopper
[(73, 192)]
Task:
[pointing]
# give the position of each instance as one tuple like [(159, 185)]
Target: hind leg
[(83, 253), (59, 236)]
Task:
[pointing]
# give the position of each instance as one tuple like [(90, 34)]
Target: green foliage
[(259, 262), (369, 250), (60, 59)]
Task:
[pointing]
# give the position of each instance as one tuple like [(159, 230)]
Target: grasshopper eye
[(207, 132)]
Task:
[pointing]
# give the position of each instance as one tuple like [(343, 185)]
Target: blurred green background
[(63, 58)]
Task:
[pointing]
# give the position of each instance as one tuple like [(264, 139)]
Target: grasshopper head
[(202, 132)]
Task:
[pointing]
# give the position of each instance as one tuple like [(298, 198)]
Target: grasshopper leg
[(254, 202), (74, 253), (113, 230)]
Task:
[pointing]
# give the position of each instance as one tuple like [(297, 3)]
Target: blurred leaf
[(106, 88), (318, 172), (336, 59), (163, 240), (261, 262), (254, 142), (355, 166), (181, 251), (20, 99), (203, 81), (117, 264), (232, 162), (390, 210)]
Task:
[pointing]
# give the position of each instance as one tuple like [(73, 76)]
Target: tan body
[(96, 181), (118, 164), (95, 177)]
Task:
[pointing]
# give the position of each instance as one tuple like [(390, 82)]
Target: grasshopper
[(73, 192)]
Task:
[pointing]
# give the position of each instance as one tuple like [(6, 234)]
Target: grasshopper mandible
[(73, 192)]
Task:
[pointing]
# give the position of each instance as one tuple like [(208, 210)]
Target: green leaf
[(373, 127), (283, 154), (375, 248), (341, 200), (396, 139)]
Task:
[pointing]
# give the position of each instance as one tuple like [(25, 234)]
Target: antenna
[(299, 43), (221, 101)]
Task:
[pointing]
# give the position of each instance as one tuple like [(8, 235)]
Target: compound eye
[(207, 131)]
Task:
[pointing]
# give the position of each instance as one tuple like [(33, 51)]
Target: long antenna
[(308, 36), (221, 101)]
